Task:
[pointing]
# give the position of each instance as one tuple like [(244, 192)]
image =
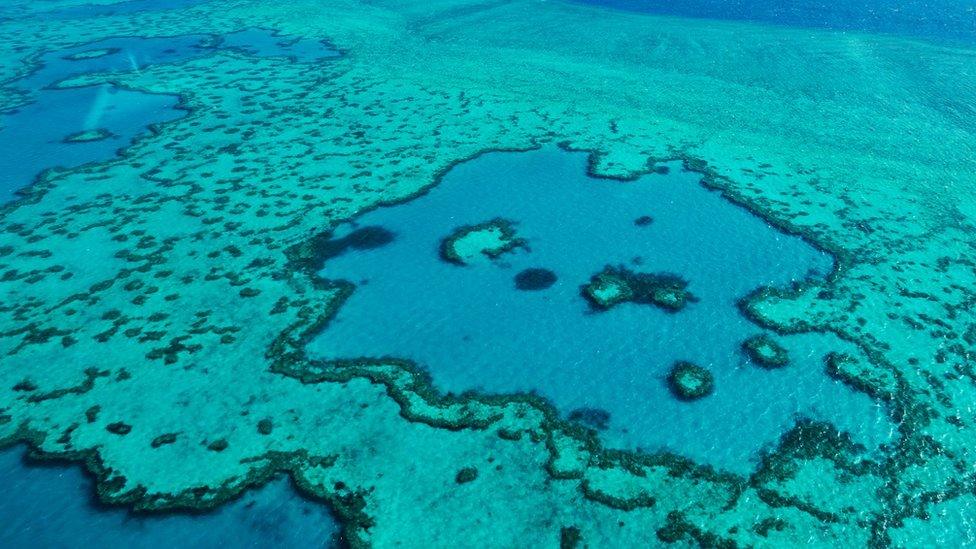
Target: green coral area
[(470, 243), (615, 285), (87, 136), (689, 381), (131, 287), (765, 352)]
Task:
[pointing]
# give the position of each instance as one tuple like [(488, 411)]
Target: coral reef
[(615, 285), (765, 352), (689, 381), (490, 239), (88, 136), (466, 475)]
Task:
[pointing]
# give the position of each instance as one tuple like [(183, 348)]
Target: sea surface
[(472, 328)]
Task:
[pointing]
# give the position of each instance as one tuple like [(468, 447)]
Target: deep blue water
[(36, 132), (133, 53), (53, 505), (473, 329), (933, 19)]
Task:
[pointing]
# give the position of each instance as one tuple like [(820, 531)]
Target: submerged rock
[(535, 279), (596, 418), (368, 238), (466, 475), (615, 285), (689, 381), (643, 221), (315, 251)]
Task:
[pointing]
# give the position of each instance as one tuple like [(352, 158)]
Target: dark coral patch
[(162, 440), (570, 537), (218, 445), (643, 221), (118, 428), (535, 279), (596, 418), (368, 238), (314, 252), (466, 475)]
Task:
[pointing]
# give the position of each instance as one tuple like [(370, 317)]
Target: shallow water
[(473, 329), (856, 135)]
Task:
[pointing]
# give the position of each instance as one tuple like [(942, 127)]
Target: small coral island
[(491, 239), (91, 54), (615, 285), (689, 381), (765, 352), (88, 136)]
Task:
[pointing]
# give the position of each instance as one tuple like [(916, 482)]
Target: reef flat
[(132, 285), (470, 243), (690, 381), (765, 352)]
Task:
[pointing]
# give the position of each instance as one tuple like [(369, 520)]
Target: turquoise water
[(473, 329), (320, 142), (53, 505)]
